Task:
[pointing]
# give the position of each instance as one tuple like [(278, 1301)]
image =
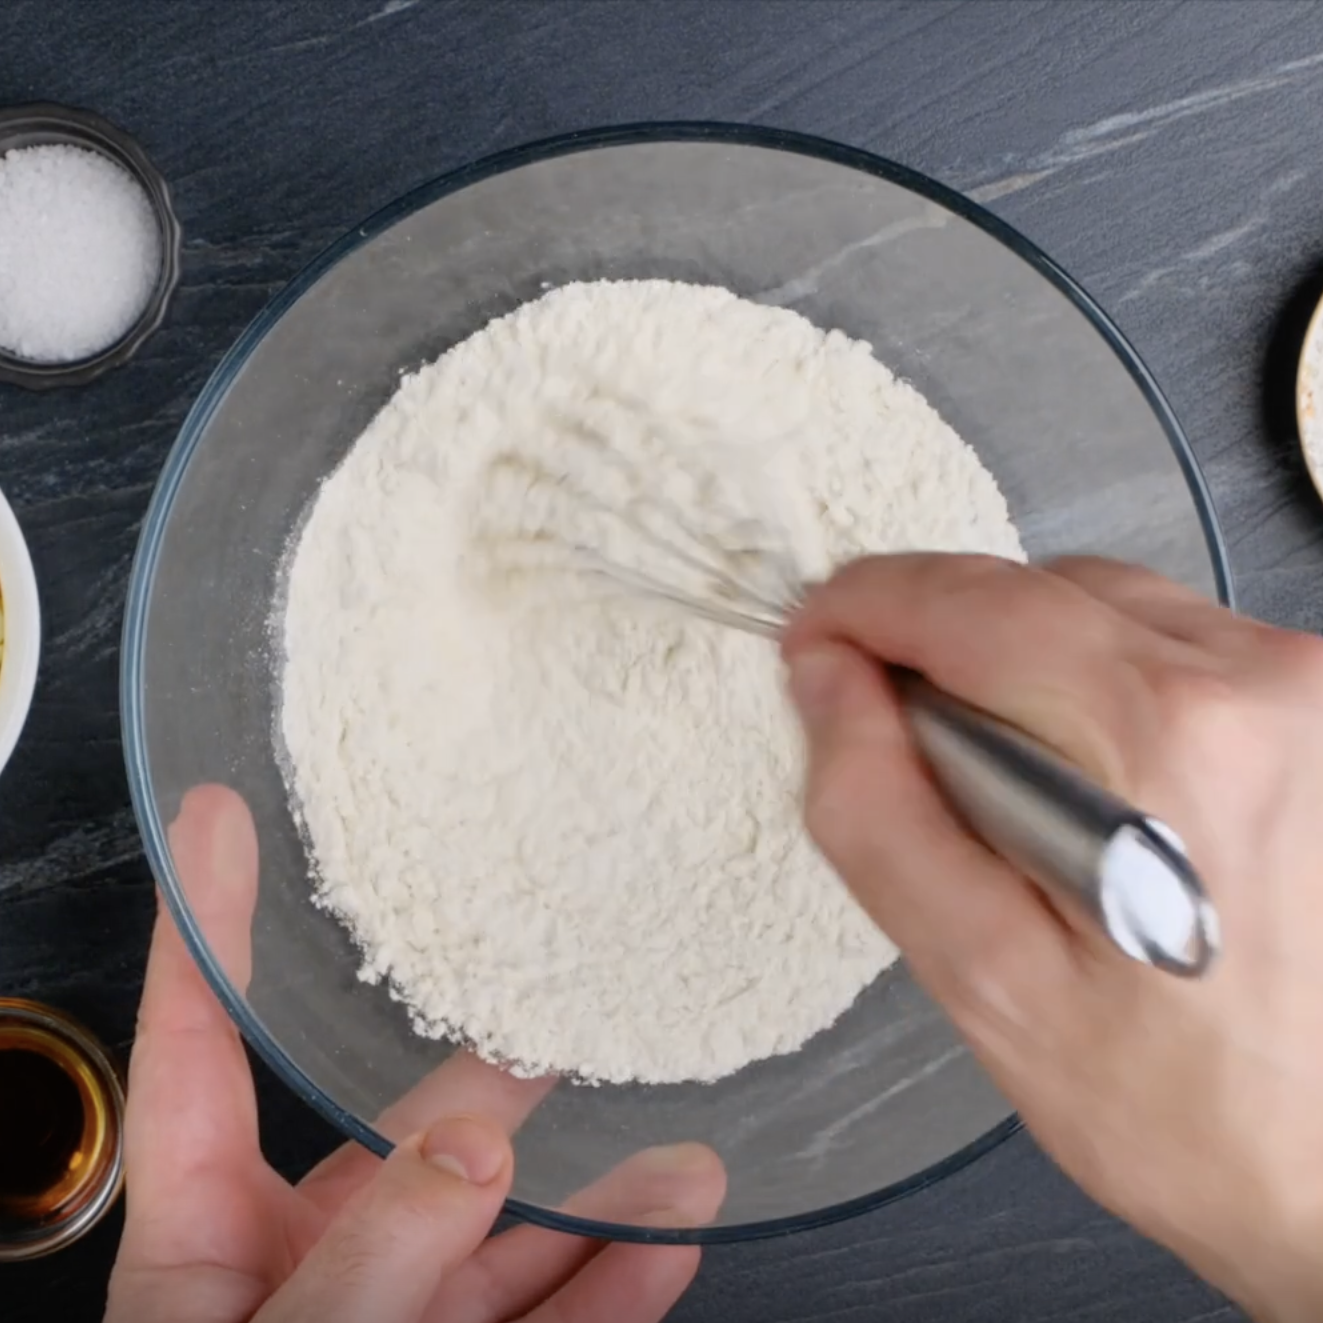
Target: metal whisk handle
[(1091, 852)]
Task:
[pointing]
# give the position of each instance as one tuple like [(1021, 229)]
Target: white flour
[(562, 824)]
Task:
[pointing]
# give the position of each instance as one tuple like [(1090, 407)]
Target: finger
[(1167, 608), (970, 926), (682, 1185), (623, 1284), (422, 1215), (1027, 645), (461, 1085), (192, 1115)]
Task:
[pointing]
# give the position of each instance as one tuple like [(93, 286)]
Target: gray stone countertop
[(1166, 154)]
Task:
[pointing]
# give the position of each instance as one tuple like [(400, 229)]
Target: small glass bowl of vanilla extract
[(61, 1130)]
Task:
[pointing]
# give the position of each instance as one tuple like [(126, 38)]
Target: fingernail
[(473, 1150), (815, 675), (672, 1158), (667, 1219), (233, 858), (687, 1185), (230, 852)]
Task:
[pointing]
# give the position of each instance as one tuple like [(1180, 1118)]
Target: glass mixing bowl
[(1011, 352)]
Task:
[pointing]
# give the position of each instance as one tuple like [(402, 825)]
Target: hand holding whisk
[(1086, 849)]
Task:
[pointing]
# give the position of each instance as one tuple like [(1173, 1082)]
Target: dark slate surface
[(1165, 153)]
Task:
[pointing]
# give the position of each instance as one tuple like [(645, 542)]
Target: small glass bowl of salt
[(89, 246)]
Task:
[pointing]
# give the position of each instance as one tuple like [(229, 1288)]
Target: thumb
[(836, 689), (427, 1209), (861, 764), (955, 910)]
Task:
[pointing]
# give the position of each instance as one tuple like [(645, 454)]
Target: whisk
[(1091, 853)]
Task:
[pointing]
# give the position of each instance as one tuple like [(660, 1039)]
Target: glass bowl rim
[(194, 426)]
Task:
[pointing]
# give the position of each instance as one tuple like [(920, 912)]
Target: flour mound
[(562, 823)]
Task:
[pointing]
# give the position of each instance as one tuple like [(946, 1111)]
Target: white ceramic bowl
[(20, 631)]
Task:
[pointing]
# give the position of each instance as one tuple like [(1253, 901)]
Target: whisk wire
[(743, 602), (764, 625)]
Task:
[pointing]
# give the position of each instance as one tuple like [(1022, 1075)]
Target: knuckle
[(1207, 718), (823, 814), (1081, 568), (977, 573), (855, 572), (390, 1216), (854, 578), (1006, 990), (933, 572), (412, 1210), (1101, 572), (1036, 606), (1019, 604), (1297, 659), (356, 1261), (835, 818)]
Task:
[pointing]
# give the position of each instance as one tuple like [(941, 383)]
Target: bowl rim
[(20, 652), (194, 425), (72, 126)]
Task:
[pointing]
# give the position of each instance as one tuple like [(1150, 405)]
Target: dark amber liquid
[(43, 1132), (61, 1131)]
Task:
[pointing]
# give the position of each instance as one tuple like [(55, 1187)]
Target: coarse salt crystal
[(79, 252)]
